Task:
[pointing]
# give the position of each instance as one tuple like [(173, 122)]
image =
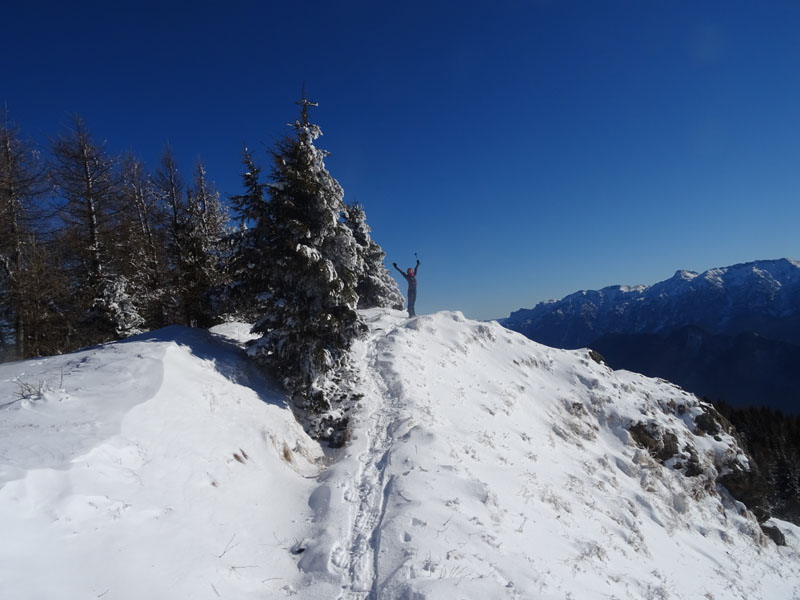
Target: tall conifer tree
[(22, 183), (376, 287), (170, 193), (86, 179), (199, 266), (310, 317), (249, 283), (140, 241)]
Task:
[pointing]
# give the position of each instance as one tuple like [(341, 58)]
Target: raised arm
[(398, 269), (415, 268)]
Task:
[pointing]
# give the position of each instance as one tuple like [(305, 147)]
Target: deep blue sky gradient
[(525, 150)]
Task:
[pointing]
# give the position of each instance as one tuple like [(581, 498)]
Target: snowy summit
[(480, 465)]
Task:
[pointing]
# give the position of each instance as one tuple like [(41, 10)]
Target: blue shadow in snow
[(229, 359)]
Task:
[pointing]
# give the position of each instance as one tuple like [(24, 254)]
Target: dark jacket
[(411, 279)]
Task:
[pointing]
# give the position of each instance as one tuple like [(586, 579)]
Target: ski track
[(374, 486)]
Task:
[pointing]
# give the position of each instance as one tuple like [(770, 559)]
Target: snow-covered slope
[(148, 469), (481, 465)]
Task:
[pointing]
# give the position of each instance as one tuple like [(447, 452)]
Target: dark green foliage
[(194, 227), (249, 281), (198, 269), (772, 439), (140, 241), (376, 287), (250, 207), (171, 198), (309, 260)]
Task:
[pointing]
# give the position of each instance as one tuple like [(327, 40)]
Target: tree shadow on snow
[(228, 358)]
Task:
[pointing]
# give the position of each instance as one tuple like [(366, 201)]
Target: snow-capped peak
[(720, 300), (684, 275)]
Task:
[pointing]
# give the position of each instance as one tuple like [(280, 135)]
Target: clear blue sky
[(525, 150)]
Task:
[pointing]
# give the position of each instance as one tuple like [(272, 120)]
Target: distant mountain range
[(731, 333)]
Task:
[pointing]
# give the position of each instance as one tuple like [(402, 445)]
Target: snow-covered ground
[(482, 465), (163, 467)]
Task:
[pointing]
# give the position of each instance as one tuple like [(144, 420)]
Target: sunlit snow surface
[(123, 481), (482, 465)]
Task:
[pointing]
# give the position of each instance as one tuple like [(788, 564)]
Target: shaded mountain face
[(731, 333), (744, 368)]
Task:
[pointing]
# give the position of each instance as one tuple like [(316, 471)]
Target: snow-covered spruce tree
[(376, 287), (85, 178), (195, 227), (249, 282), (140, 241), (310, 318), (200, 272)]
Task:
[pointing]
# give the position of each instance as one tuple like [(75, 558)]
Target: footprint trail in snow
[(483, 465)]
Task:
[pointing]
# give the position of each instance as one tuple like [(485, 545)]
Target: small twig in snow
[(235, 568), (228, 546), (524, 520), (444, 525), (215, 590)]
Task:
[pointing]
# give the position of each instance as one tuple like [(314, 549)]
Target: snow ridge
[(484, 465), (481, 465)]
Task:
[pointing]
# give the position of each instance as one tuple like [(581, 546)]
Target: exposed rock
[(705, 423), (761, 513), (749, 487), (670, 446), (775, 534), (644, 437), (597, 357), (662, 445), (693, 468)]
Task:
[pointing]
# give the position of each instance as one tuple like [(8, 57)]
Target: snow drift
[(481, 465), (160, 467)]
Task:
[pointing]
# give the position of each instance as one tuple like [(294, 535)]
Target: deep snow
[(482, 465)]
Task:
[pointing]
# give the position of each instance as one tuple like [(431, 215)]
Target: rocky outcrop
[(775, 534), (743, 481)]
